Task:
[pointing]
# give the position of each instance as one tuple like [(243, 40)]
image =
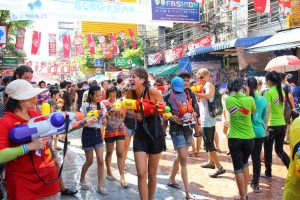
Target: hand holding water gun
[(45, 126), (198, 87), (149, 107)]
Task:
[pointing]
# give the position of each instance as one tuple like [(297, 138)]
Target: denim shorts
[(130, 132), (240, 150), (113, 139), (181, 140), (91, 138), (208, 138)]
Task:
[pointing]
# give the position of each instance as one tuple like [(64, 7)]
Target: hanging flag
[(114, 44), (20, 37), (52, 44), (233, 4), (66, 39), (131, 33), (107, 53), (91, 44), (285, 6), (36, 42), (123, 39), (78, 45), (262, 6)]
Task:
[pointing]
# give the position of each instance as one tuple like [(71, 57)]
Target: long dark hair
[(236, 85), (141, 73), (252, 84), (12, 105), (92, 91), (20, 71), (274, 77)]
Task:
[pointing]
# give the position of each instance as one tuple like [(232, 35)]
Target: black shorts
[(149, 146), (240, 150), (91, 138), (208, 138), (113, 139)]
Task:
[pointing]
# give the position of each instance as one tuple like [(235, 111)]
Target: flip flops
[(174, 185), (69, 192), (102, 190), (110, 178)]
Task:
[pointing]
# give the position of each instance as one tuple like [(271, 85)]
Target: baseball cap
[(22, 90), (178, 84)]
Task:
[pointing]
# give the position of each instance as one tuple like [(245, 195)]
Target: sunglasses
[(201, 77)]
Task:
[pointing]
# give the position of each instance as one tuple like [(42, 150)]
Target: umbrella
[(284, 64)]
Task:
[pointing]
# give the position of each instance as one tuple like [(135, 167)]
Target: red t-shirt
[(21, 180)]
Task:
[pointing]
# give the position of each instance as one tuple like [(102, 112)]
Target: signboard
[(294, 17), (175, 11), (98, 62), (2, 34), (10, 61), (124, 62)]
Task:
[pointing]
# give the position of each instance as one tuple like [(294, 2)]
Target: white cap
[(22, 90)]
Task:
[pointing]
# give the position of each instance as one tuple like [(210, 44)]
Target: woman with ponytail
[(276, 122), (259, 125)]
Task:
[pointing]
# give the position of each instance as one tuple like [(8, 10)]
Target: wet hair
[(12, 105), (20, 71), (92, 91), (141, 73), (274, 77), (252, 84), (236, 84), (111, 89)]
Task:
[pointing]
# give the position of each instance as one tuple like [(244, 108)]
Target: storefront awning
[(240, 42), (164, 70), (282, 40)]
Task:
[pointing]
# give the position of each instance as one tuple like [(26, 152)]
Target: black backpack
[(215, 108)]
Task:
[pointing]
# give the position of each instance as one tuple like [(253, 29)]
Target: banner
[(114, 44), (294, 17), (132, 36), (262, 6), (173, 54), (233, 4), (20, 37), (107, 53), (176, 11), (155, 58), (78, 45), (202, 42), (52, 44), (285, 6), (36, 42), (66, 39), (123, 39), (91, 44)]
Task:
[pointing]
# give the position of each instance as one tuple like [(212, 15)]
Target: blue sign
[(98, 62), (177, 11)]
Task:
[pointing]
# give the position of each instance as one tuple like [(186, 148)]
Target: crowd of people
[(253, 118)]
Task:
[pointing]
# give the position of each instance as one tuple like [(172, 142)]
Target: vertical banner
[(91, 44), (114, 44), (285, 6), (20, 37), (131, 33), (262, 6), (78, 45), (123, 39), (36, 42), (66, 39), (106, 52), (52, 44)]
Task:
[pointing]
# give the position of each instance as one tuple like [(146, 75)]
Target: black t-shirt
[(80, 95)]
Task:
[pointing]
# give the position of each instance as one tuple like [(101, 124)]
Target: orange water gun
[(198, 87)]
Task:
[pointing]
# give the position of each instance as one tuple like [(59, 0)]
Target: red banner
[(173, 54), (114, 44), (36, 42), (107, 53), (131, 33), (263, 6), (52, 44), (20, 37), (204, 41), (123, 39), (91, 44), (78, 45), (155, 58), (233, 4), (285, 6), (66, 39)]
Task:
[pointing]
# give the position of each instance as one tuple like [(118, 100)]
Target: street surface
[(202, 186)]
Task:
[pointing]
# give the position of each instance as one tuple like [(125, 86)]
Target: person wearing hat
[(21, 180), (181, 130)]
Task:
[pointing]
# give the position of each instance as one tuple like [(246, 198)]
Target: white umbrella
[(284, 64)]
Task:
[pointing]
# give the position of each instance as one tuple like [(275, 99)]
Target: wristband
[(25, 148)]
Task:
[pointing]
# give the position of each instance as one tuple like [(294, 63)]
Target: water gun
[(43, 97), (45, 126), (149, 107), (94, 114), (198, 87)]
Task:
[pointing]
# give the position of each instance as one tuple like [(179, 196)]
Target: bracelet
[(25, 148)]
